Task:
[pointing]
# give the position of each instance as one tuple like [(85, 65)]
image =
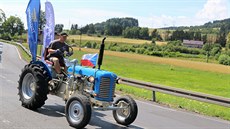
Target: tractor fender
[(45, 67)]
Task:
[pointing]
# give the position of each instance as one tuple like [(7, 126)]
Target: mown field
[(195, 76), (113, 39)]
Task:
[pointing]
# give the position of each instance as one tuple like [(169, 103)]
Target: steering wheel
[(70, 53)]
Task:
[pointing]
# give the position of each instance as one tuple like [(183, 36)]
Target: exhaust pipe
[(101, 53)]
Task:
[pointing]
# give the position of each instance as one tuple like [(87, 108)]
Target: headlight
[(118, 81), (91, 79)]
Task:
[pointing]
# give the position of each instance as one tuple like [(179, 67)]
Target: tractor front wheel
[(128, 112), (78, 111)]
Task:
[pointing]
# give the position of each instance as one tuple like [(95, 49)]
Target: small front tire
[(127, 115), (78, 111)]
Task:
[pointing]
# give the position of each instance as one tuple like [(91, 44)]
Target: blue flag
[(33, 15), (48, 32)]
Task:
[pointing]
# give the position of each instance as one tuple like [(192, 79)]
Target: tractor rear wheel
[(33, 86)]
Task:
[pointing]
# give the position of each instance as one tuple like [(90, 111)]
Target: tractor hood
[(85, 71)]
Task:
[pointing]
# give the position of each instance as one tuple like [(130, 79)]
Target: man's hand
[(59, 52), (63, 49)]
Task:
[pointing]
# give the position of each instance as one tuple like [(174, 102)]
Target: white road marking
[(6, 122), (63, 114), (2, 77), (10, 81), (18, 53)]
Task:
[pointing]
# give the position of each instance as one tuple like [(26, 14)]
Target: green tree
[(84, 29), (204, 38), (59, 28), (42, 20), (91, 29), (144, 33), (13, 25), (132, 32), (178, 35), (74, 27), (228, 42), (2, 16), (2, 19), (154, 33), (207, 47), (197, 36)]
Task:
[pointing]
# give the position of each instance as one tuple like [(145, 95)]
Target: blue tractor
[(85, 89)]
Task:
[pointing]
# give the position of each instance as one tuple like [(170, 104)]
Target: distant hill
[(214, 24)]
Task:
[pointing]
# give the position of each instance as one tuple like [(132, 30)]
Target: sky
[(150, 13)]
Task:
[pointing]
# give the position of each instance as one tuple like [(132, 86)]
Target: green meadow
[(184, 78)]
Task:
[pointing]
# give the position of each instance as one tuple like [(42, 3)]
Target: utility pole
[(80, 38), (208, 52)]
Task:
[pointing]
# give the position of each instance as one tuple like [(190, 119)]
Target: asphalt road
[(52, 116)]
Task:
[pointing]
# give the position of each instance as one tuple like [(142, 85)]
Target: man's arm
[(51, 49)]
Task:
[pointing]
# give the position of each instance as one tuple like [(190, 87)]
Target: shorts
[(61, 61)]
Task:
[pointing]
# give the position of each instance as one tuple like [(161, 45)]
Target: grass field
[(112, 39), (194, 79), (170, 61)]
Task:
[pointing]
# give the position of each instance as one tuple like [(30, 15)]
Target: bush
[(140, 50), (224, 59), (72, 41), (5, 36), (88, 44), (215, 51), (155, 53), (153, 41), (94, 45)]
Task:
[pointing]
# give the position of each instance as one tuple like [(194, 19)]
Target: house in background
[(193, 43)]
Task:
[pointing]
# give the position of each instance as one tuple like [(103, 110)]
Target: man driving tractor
[(56, 51)]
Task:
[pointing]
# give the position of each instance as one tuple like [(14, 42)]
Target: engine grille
[(105, 90)]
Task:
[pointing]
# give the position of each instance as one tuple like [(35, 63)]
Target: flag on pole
[(89, 60), (48, 32), (33, 15)]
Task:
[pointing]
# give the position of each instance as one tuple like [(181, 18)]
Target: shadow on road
[(96, 119), (99, 123), (52, 110)]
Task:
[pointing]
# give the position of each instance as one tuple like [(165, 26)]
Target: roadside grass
[(177, 102), (25, 56), (209, 82)]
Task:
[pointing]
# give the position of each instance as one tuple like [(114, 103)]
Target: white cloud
[(214, 10), (166, 21)]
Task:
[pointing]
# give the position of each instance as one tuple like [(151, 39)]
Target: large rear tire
[(33, 86), (78, 111), (127, 115)]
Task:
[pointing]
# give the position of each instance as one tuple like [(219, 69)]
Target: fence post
[(154, 96)]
